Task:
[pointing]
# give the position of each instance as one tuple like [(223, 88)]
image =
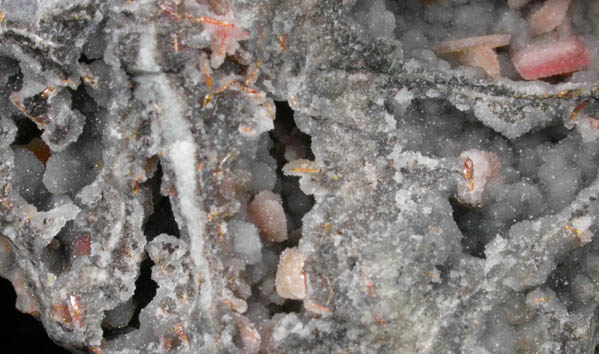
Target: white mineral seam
[(146, 61), (180, 152)]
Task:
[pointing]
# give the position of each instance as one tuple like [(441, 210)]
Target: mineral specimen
[(234, 176), (476, 51), (539, 61), (267, 213), (291, 280)]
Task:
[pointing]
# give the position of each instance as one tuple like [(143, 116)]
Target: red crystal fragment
[(539, 61)]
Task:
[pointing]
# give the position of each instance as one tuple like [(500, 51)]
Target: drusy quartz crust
[(315, 176)]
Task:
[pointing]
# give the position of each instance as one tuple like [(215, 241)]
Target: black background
[(21, 333)]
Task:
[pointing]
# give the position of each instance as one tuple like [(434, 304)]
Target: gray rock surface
[(127, 229)]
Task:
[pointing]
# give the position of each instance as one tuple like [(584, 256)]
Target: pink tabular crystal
[(538, 61)]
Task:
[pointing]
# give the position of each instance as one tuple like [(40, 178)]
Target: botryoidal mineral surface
[(206, 176)]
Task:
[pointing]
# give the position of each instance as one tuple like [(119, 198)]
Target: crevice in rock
[(285, 143), (468, 220), (288, 306), (162, 220), (110, 333), (289, 144), (84, 59), (82, 101), (30, 156), (116, 320), (27, 130), (552, 133), (56, 256), (94, 119), (559, 280), (74, 244), (53, 257), (145, 290)]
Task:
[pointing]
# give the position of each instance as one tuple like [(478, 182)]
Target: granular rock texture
[(405, 200)]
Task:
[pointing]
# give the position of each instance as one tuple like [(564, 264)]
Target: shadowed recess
[(162, 219), (145, 290), (22, 332)]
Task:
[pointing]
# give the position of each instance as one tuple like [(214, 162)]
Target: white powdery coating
[(268, 215), (485, 166), (288, 324), (46, 6), (412, 159), (404, 96), (291, 280), (182, 156), (246, 241), (146, 61), (549, 16)]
